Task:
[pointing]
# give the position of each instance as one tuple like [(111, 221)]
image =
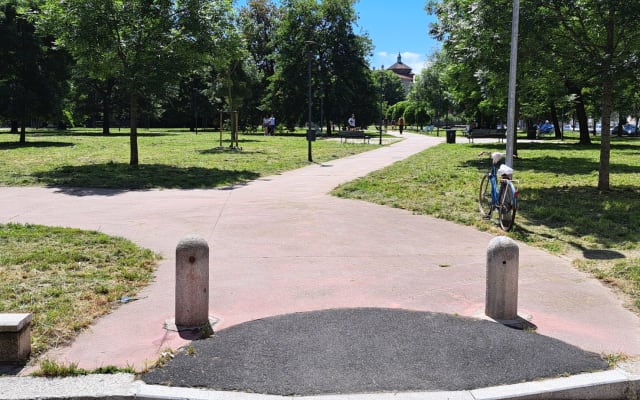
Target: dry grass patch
[(67, 277)]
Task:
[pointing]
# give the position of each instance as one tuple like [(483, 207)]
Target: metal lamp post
[(513, 65), (381, 100), (309, 43)]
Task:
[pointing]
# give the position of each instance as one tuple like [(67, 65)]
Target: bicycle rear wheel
[(508, 206), (485, 198)]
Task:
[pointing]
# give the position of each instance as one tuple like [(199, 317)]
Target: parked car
[(627, 129)]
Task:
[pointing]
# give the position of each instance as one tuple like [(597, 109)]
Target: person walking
[(352, 122), (272, 125), (401, 124)]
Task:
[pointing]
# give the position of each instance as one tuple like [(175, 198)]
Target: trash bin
[(311, 135), (531, 133), (451, 136)]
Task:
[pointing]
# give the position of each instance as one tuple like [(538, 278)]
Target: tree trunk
[(555, 122), (23, 130), (607, 107), (583, 121), (605, 135), (106, 109), (578, 102), (106, 119), (133, 141), (232, 119)]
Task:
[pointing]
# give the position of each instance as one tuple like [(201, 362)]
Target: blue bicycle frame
[(501, 196), (493, 178)]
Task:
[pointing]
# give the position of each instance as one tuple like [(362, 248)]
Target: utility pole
[(310, 133), (513, 66)]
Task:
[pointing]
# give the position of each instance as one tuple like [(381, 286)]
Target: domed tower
[(404, 72)]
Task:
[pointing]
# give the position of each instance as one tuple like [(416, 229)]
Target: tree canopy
[(33, 73), (569, 52), (321, 34), (143, 46)]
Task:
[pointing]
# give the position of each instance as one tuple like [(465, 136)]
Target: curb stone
[(623, 382)]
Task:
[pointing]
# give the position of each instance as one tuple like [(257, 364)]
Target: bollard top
[(502, 243), (192, 241)]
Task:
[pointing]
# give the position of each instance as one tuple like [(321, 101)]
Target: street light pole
[(309, 43), (513, 65), (381, 99)]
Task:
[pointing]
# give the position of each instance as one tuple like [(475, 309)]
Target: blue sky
[(395, 26)]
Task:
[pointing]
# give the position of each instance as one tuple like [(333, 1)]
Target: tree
[(428, 91), (588, 48), (235, 71), (472, 75), (33, 72), (599, 32), (259, 21), (144, 45), (417, 114), (321, 33), (392, 88)]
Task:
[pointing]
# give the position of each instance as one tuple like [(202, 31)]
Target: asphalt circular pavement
[(365, 350)]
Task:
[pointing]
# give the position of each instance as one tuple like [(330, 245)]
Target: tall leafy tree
[(322, 33), (474, 71), (604, 41), (144, 45), (428, 91), (232, 66), (588, 44), (259, 21), (392, 87), (33, 72)]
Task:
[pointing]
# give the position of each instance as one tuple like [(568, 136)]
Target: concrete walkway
[(281, 245)]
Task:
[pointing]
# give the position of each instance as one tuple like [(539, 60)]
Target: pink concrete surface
[(281, 244)]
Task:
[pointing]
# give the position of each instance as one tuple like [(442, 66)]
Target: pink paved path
[(281, 244)]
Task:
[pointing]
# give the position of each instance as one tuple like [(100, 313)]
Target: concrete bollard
[(502, 279), (192, 282)]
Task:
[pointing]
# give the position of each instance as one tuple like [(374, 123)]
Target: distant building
[(404, 72)]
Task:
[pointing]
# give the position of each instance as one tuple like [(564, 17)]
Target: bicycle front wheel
[(485, 198), (508, 206)]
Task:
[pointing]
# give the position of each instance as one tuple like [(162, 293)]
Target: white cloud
[(417, 62)]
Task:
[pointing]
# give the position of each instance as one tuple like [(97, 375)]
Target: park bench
[(15, 337), (477, 133), (346, 135)]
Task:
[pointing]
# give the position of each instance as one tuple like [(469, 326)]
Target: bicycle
[(503, 198)]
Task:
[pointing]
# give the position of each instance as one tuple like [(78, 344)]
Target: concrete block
[(15, 337)]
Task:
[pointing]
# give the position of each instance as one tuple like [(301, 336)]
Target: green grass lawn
[(66, 277), (560, 208), (168, 158)]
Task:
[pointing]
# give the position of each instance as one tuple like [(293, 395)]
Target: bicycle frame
[(498, 192), (495, 193), (493, 178)]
